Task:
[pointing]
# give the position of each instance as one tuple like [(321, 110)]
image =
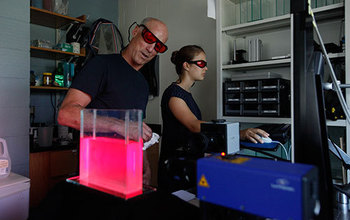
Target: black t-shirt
[(175, 134), (112, 84)]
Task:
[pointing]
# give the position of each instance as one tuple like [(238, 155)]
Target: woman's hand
[(253, 135)]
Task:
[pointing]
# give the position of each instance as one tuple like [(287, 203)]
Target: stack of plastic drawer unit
[(261, 97), (232, 98)]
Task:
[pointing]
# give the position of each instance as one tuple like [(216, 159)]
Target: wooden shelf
[(46, 88), (42, 52), (53, 20)]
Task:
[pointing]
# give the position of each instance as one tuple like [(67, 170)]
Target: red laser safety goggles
[(199, 63), (150, 38)]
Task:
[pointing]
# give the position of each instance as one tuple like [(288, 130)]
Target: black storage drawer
[(251, 85), (275, 109), (233, 86), (268, 97), (274, 84), (251, 110), (233, 98), (233, 110), (261, 97), (270, 110), (250, 97)]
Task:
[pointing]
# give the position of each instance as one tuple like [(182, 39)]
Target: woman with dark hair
[(182, 118)]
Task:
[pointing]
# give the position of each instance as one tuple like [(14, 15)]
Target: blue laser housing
[(266, 188)]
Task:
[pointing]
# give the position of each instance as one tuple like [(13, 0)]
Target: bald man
[(113, 81)]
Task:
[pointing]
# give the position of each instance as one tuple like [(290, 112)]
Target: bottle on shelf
[(47, 79), (59, 76), (68, 70)]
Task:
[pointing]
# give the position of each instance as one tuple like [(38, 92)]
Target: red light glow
[(223, 154), (111, 164)]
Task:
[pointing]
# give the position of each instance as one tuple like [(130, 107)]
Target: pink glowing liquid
[(111, 164)]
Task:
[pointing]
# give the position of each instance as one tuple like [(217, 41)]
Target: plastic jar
[(47, 79), (5, 161)]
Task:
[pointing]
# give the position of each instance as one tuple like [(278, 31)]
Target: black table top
[(70, 201)]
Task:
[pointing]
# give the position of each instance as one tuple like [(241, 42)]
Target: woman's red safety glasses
[(150, 38), (199, 63)]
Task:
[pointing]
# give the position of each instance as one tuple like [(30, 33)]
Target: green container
[(313, 3), (268, 8), (329, 2), (279, 7), (59, 76), (245, 11), (286, 6), (65, 47), (256, 10), (320, 3)]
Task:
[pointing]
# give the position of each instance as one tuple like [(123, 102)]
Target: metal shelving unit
[(263, 120), (258, 65), (256, 26), (227, 33)]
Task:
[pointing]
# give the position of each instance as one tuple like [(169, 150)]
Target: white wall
[(14, 81), (188, 24), (107, 9)]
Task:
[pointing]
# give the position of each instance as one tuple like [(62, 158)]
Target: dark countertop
[(71, 201), (54, 147)]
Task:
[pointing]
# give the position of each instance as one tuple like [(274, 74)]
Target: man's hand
[(146, 132), (119, 127), (253, 135)]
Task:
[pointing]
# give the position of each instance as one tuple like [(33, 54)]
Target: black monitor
[(310, 130)]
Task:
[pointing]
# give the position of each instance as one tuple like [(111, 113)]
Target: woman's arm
[(183, 113)]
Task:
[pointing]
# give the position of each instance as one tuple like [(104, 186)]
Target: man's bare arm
[(74, 102)]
